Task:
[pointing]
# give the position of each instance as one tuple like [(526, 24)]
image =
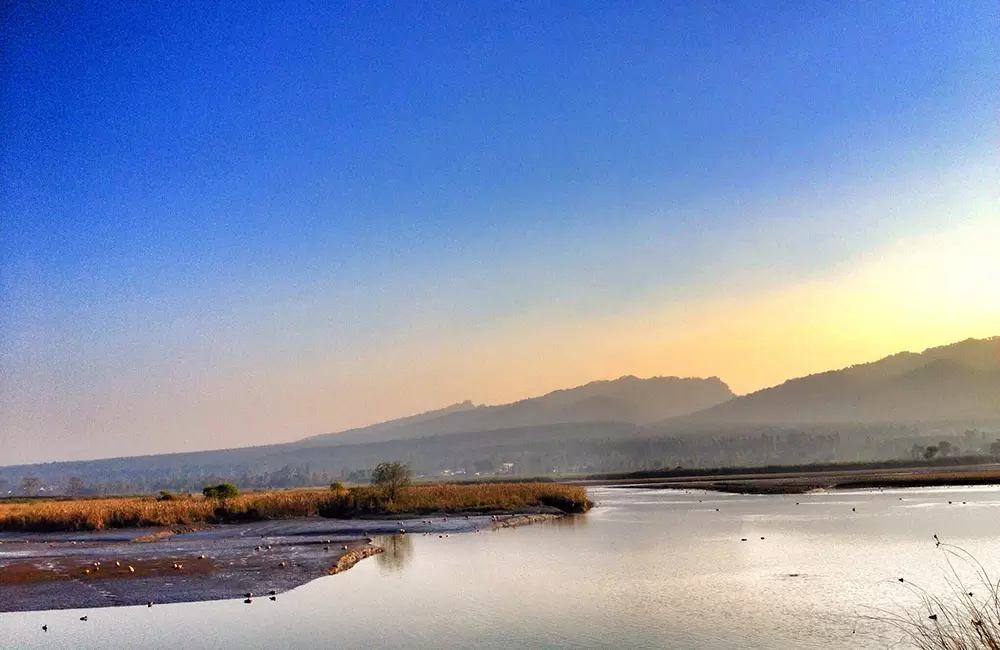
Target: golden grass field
[(149, 512)]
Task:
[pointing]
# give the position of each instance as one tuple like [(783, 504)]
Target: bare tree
[(30, 486), (74, 486)]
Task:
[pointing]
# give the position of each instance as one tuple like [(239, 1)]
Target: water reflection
[(398, 552), (647, 569)]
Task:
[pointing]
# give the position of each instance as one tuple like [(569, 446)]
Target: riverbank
[(802, 482), (192, 511), (91, 569)]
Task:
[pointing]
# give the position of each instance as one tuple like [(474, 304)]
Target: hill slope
[(627, 399), (947, 383)]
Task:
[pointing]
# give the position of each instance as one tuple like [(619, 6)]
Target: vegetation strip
[(351, 558), (338, 502)]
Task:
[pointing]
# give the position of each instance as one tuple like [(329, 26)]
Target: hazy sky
[(262, 221)]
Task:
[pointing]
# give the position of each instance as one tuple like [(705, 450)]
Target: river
[(645, 569)]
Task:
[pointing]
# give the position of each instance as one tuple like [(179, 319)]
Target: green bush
[(221, 491)]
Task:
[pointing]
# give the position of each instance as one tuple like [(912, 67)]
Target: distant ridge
[(960, 381), (627, 399)]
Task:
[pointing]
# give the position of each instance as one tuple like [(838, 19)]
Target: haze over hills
[(874, 411), (626, 399), (947, 383)]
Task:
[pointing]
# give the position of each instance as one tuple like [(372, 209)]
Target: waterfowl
[(83, 618), (149, 604), (901, 580), (131, 569), (933, 617), (45, 628), (282, 564), (247, 601), (273, 597)]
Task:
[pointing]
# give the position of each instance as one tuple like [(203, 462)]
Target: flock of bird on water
[(272, 594)]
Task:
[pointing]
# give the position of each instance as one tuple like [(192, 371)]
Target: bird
[(201, 557), (901, 580), (149, 604), (343, 548), (131, 569), (762, 538), (83, 618), (853, 510), (933, 617), (248, 601), (273, 597), (248, 594), (937, 542), (45, 628), (744, 539), (117, 563), (273, 592), (282, 564)]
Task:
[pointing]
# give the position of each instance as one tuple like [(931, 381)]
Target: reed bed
[(149, 512), (965, 617)]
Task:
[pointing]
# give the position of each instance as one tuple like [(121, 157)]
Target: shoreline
[(804, 482), (121, 568)]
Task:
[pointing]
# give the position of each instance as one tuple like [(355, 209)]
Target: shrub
[(166, 495), (221, 491), (337, 486)]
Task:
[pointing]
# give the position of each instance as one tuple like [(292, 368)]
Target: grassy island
[(181, 511)]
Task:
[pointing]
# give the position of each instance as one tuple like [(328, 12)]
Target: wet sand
[(43, 571)]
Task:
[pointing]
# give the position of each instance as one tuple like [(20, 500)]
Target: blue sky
[(288, 205)]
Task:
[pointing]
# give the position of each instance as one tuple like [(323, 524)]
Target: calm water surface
[(647, 569)]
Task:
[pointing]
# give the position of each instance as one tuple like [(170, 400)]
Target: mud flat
[(803, 482), (44, 571)]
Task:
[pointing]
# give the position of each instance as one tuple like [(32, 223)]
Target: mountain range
[(870, 411), (947, 383), (627, 399)]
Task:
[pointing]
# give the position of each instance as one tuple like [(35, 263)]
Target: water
[(646, 569)]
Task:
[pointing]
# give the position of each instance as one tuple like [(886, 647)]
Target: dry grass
[(967, 617), (148, 512)]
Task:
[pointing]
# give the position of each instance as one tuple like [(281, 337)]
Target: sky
[(256, 222)]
